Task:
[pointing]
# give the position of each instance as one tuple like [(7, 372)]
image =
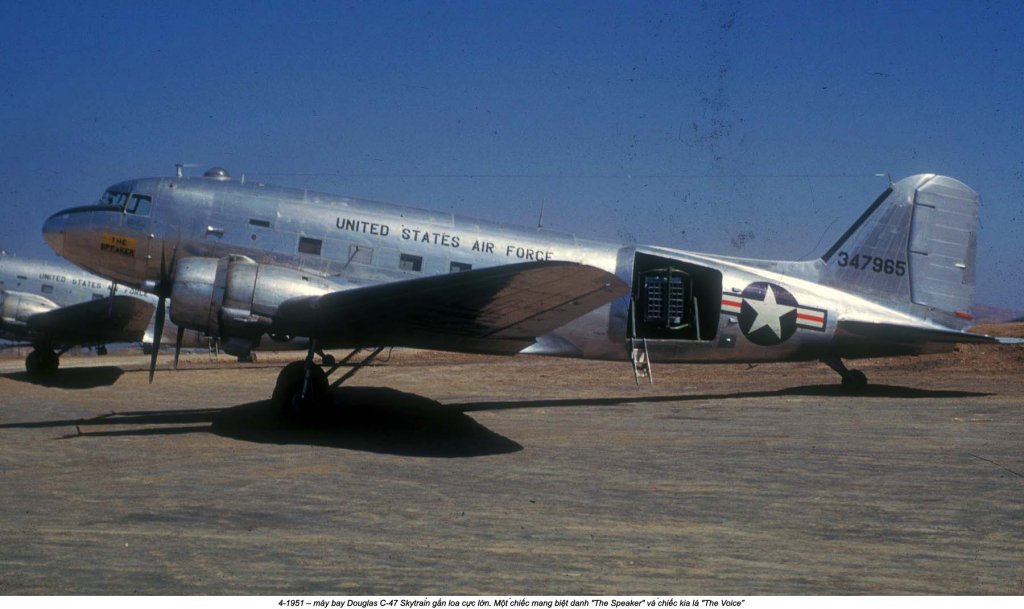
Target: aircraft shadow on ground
[(829, 391), (369, 419), (387, 421), (71, 378)]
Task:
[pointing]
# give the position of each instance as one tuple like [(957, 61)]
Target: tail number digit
[(874, 264)]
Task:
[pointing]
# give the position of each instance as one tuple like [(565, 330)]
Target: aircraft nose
[(53, 232)]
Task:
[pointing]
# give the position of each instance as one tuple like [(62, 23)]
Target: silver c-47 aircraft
[(56, 307), (238, 259)]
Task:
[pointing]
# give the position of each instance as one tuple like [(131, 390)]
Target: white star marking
[(769, 313)]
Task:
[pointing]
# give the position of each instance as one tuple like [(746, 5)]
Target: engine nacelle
[(17, 307), (235, 297)]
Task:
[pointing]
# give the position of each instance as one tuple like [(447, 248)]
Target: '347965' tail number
[(873, 264)]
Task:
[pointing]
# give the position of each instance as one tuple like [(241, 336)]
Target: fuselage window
[(139, 205), (98, 296), (310, 246), (458, 267), (46, 289), (259, 223), (408, 262)]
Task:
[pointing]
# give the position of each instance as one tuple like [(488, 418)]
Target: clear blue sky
[(743, 128)]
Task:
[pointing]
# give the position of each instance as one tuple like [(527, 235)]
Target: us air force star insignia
[(769, 314)]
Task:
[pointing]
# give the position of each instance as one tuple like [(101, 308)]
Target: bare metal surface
[(521, 475), (334, 241)]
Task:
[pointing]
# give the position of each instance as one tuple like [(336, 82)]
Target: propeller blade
[(162, 286), (158, 333), (174, 259), (177, 345)]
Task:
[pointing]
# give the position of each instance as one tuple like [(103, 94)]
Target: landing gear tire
[(289, 395), (854, 381), (42, 362)]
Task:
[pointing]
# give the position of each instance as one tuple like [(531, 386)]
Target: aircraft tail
[(913, 250)]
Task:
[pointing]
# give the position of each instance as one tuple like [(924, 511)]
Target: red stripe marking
[(807, 317), (732, 303)]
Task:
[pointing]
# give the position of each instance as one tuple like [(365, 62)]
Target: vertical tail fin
[(912, 250)]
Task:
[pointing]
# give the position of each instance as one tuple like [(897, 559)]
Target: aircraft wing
[(497, 310), (106, 320)]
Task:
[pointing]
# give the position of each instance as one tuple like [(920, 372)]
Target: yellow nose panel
[(118, 244)]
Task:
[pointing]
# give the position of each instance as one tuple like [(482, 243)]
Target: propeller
[(177, 345), (163, 291), (158, 331)]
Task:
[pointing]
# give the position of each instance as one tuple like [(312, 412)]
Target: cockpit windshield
[(133, 204), (114, 198)]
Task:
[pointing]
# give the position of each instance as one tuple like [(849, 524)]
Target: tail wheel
[(855, 380)]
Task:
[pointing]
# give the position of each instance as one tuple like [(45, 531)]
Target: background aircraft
[(55, 307), (30, 286), (237, 260)]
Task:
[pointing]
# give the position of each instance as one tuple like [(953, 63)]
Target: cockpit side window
[(139, 205)]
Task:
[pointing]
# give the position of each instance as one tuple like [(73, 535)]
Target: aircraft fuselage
[(687, 306)]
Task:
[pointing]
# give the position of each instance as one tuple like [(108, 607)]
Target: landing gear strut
[(303, 387), (853, 380)]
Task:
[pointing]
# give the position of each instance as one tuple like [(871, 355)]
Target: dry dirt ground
[(448, 474)]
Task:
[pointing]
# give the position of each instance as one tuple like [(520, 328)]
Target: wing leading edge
[(496, 310)]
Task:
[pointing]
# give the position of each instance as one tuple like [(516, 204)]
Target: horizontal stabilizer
[(113, 319), (499, 310), (909, 336), (1009, 340)]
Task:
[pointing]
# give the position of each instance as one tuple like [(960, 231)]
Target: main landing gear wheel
[(42, 362), (297, 397), (302, 387)]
